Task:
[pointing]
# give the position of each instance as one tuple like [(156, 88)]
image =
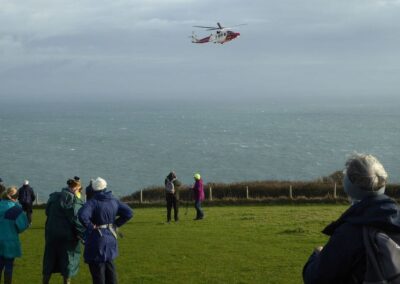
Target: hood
[(103, 195), (6, 204), (65, 197), (380, 212)]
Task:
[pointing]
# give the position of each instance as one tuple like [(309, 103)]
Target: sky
[(141, 50)]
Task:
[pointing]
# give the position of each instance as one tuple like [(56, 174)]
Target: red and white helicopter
[(222, 34)]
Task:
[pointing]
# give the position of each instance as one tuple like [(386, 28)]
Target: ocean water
[(134, 146)]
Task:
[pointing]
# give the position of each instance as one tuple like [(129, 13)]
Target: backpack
[(383, 256), (169, 186)]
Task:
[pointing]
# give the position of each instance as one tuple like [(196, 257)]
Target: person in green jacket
[(13, 221), (63, 233)]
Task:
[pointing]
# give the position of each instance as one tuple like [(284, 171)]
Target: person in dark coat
[(171, 195), (101, 216), (89, 191), (63, 234), (343, 258), (26, 197), (2, 188), (198, 196)]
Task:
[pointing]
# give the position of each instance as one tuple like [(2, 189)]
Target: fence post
[(334, 191), (247, 192), (37, 198), (210, 193), (290, 192), (141, 196)]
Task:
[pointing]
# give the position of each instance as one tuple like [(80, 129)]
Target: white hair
[(366, 171)]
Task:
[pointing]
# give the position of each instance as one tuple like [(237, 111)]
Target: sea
[(135, 145)]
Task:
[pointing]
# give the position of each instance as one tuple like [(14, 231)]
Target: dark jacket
[(343, 258), (2, 190), (62, 221), (26, 194), (102, 209), (62, 233)]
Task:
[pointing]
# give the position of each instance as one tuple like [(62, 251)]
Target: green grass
[(259, 244)]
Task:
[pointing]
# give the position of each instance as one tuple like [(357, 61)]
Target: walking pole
[(187, 202)]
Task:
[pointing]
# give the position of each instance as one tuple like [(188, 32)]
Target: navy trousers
[(103, 272), (7, 265)]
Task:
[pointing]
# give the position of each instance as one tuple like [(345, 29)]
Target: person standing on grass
[(198, 196), (2, 188), (26, 197), (343, 259), (171, 183), (13, 221), (101, 216), (63, 234)]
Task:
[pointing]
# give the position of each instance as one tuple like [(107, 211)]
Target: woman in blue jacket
[(343, 258), (101, 216), (13, 221)]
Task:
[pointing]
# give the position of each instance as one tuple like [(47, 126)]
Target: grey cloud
[(124, 47)]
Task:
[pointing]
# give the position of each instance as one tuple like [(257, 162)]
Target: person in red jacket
[(198, 196)]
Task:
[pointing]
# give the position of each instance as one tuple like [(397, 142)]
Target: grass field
[(259, 244)]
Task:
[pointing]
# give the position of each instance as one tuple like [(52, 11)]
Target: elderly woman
[(13, 221), (101, 216), (343, 258), (63, 232)]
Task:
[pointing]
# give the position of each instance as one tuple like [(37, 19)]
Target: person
[(26, 197), (198, 196), (171, 195), (63, 233), (101, 216), (2, 188), (78, 193), (343, 258), (89, 190), (13, 221)]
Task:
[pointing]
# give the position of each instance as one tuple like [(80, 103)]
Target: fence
[(255, 191)]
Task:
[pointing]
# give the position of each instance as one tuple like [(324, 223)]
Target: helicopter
[(222, 34)]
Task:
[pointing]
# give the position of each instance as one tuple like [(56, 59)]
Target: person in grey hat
[(343, 258)]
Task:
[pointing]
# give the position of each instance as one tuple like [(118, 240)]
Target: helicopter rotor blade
[(203, 27), (236, 26)]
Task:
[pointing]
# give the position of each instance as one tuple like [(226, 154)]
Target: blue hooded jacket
[(343, 258), (102, 209), (13, 221)]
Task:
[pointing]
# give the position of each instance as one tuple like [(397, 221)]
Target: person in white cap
[(101, 216), (26, 197)]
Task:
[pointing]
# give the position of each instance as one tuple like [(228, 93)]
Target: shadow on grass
[(295, 231)]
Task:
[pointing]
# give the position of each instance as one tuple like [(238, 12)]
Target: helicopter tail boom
[(196, 40)]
